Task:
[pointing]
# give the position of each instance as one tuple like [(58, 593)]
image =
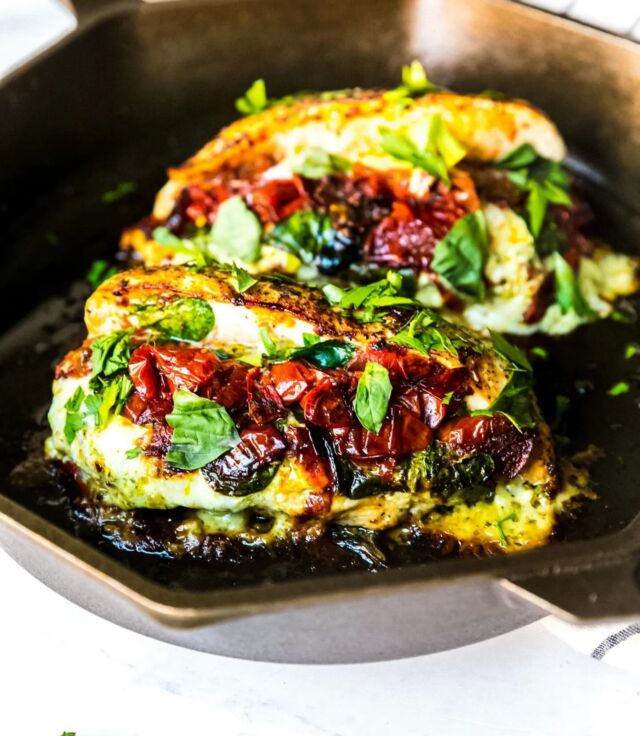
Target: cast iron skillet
[(137, 87)]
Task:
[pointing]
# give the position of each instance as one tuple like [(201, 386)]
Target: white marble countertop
[(63, 668)]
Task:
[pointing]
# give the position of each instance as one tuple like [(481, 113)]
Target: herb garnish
[(306, 234), (510, 352), (236, 232), (324, 353), (186, 318), (202, 431), (366, 300), (499, 524), (242, 279), (414, 82), (545, 181), (514, 402), (254, 100), (441, 152), (424, 334), (100, 271), (568, 293), (133, 453), (372, 396), (460, 256), (316, 163), (539, 352), (74, 419), (631, 350)]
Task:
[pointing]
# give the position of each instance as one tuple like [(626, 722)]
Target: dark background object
[(138, 87)]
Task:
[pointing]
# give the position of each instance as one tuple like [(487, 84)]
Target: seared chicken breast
[(465, 193), (263, 409)]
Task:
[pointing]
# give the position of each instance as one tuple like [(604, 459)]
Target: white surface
[(62, 668)]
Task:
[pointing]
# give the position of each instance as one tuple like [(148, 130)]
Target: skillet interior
[(148, 89)]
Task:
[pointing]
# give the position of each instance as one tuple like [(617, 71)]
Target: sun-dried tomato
[(325, 405), (401, 434), (278, 199), (495, 435), (301, 447), (263, 401), (260, 445)]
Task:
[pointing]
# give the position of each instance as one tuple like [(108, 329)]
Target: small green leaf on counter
[(632, 349), (622, 387), (316, 163), (100, 271), (120, 191), (243, 280), (254, 100), (202, 431), (500, 526), (372, 396), (460, 256)]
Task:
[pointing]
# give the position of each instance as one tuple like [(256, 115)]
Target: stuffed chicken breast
[(265, 410), (467, 194)]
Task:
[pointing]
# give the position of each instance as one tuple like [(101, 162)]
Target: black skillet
[(138, 87)]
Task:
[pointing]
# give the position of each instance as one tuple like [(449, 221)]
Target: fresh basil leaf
[(511, 352), (120, 191), (460, 256), (254, 100), (310, 338), (518, 158), (202, 431), (186, 318), (243, 279), (404, 149), (133, 453), (110, 353), (100, 271), (324, 354), (333, 294), (382, 294), (236, 232), (270, 345), (568, 294), (308, 235), (423, 334), (164, 237), (514, 402), (74, 419), (114, 397), (414, 82), (316, 163), (442, 141), (372, 396), (632, 349)]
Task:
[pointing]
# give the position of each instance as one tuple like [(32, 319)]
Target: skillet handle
[(608, 588), (90, 11)]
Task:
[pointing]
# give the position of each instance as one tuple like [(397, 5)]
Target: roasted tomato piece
[(195, 205), (249, 466), (264, 402), (401, 434), (494, 435), (301, 446), (325, 405), (292, 379), (278, 199), (424, 405)]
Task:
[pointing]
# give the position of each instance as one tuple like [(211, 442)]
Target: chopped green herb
[(460, 256), (309, 338), (539, 352), (514, 402), (120, 191), (372, 396), (568, 293), (243, 280), (254, 100), (100, 271), (404, 149), (499, 524), (424, 333), (365, 300), (306, 234), (511, 352), (74, 419), (110, 353), (236, 232), (113, 397), (622, 387), (324, 354), (545, 181), (316, 163), (186, 318), (446, 399), (414, 82), (632, 349), (133, 453), (270, 345), (164, 237), (202, 431), (196, 247), (333, 294)]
